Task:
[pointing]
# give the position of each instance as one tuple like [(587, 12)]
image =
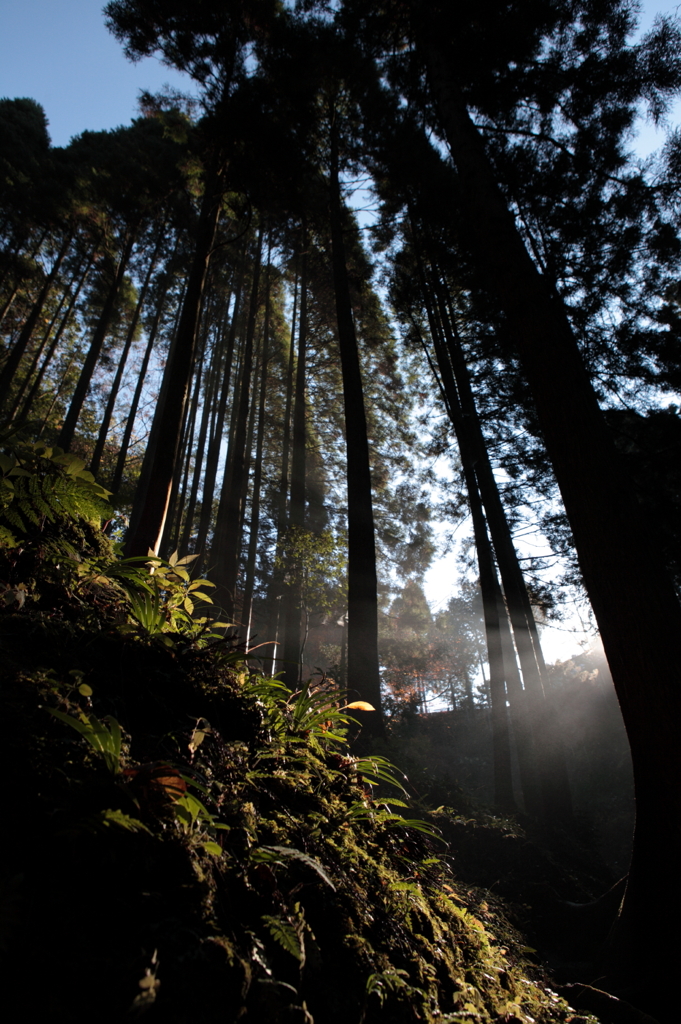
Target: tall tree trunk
[(227, 541), (97, 343), (176, 506), (15, 287), (363, 668), (276, 586), (210, 387), (293, 592), (548, 742), (489, 585), (247, 610), (149, 526), (23, 341), (44, 343), (154, 439), (141, 377), (248, 453), (123, 358), (634, 601), (213, 458)]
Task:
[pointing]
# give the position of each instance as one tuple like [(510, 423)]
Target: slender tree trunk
[(247, 610), (154, 439), (520, 714), (149, 527), (501, 745), (141, 377), (123, 358), (14, 289), (546, 731), (363, 667), (248, 452), (227, 547), (213, 459), (293, 592), (9, 302), (176, 507), (97, 343), (23, 341), (634, 601), (208, 401), (42, 345), (276, 587), (35, 387)]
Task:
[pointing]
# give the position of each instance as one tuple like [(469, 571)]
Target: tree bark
[(149, 528), (141, 377), (548, 745), (23, 341), (96, 344), (247, 609), (227, 540), (293, 591), (123, 358), (213, 458), (363, 668), (72, 296), (276, 586), (492, 610), (634, 601), (176, 505)]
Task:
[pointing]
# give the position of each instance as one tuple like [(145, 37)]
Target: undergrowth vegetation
[(189, 838)]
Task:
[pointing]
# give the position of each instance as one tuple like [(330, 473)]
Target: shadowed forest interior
[(255, 771)]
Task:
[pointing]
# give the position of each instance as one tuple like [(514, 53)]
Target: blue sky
[(59, 53)]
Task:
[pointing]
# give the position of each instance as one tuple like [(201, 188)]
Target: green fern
[(40, 485)]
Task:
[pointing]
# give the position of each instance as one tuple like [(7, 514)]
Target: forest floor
[(185, 838)]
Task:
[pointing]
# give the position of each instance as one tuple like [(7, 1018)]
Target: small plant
[(40, 485), (317, 716), (103, 736), (391, 980), (161, 594), (289, 931)]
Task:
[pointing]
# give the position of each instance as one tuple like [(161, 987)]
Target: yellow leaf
[(359, 705), (186, 559)]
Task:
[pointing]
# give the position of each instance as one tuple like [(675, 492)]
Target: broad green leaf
[(7, 462), (214, 848), (186, 559), (83, 728), (71, 463)]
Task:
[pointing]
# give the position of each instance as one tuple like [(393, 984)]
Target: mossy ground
[(293, 898)]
